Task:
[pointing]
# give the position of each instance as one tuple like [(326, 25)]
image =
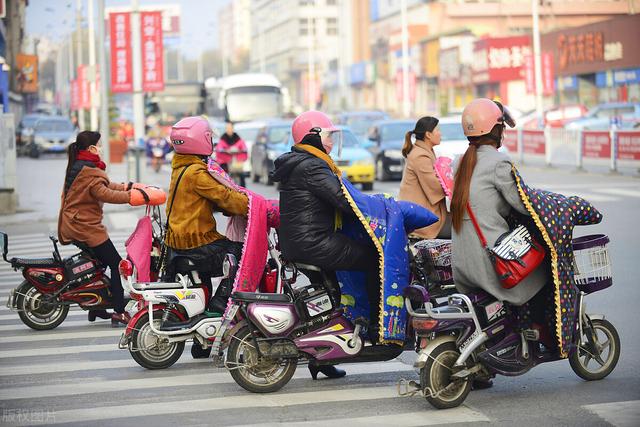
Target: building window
[(331, 2), (304, 28), (306, 2), (332, 26)]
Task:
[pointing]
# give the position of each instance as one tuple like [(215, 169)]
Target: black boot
[(329, 370), (103, 314), (197, 352)]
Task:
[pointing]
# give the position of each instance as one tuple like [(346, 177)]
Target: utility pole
[(343, 14), (104, 77), (79, 53), (406, 105), (138, 95), (261, 29), (311, 66), (536, 56), (92, 64)]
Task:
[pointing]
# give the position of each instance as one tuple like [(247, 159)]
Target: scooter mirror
[(4, 245)]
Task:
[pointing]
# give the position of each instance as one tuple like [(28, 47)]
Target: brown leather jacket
[(81, 215)]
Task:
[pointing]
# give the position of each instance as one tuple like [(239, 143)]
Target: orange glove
[(147, 196), (131, 185)]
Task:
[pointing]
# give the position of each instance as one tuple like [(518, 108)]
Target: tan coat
[(420, 185), (80, 217)]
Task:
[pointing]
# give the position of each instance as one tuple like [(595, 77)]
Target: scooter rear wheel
[(435, 377), (252, 372), (150, 350), (37, 313), (594, 364)]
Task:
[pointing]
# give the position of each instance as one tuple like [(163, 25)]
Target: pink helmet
[(480, 116), (192, 135), (305, 122)]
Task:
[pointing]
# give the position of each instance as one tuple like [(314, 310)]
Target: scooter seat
[(34, 262), (259, 297)]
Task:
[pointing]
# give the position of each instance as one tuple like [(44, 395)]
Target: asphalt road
[(75, 375)]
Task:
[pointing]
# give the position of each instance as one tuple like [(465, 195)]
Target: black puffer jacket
[(309, 195)]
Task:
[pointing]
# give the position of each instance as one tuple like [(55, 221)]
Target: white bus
[(245, 97)]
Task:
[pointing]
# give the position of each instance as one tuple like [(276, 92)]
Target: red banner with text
[(510, 140), (596, 144), (629, 145), (152, 51), (121, 52), (533, 142)]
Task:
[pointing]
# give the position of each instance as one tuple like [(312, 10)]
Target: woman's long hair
[(462, 180), (84, 140), (408, 145)]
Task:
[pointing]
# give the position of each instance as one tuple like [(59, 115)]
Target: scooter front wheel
[(35, 311), (440, 390), (597, 357), (257, 374), (152, 351)]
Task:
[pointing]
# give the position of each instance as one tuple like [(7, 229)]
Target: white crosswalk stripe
[(76, 374)]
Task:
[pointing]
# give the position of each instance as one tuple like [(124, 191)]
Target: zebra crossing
[(76, 375)]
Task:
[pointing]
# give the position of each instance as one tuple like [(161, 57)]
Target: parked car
[(266, 145), (387, 137), (24, 131), (360, 121), (453, 143), (354, 160), (51, 134), (602, 116)]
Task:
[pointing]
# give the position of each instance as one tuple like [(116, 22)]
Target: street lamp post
[(311, 71), (92, 64), (536, 56), (138, 95), (79, 53), (406, 106), (104, 96)]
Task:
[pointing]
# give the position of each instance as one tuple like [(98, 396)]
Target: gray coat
[(493, 193)]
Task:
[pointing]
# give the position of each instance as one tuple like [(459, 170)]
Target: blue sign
[(4, 89), (617, 77), (567, 83), (358, 73)]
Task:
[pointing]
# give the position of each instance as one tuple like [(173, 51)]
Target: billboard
[(500, 59), (26, 73)]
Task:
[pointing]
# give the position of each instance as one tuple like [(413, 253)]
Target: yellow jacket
[(199, 195)]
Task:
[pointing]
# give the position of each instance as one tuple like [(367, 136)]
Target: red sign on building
[(629, 145), (533, 142), (596, 144), (152, 54), (500, 59), (121, 65)]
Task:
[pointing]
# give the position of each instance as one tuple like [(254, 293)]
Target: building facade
[(290, 38)]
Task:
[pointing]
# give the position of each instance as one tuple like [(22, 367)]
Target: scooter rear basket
[(591, 263)]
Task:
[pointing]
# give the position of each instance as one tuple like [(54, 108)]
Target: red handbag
[(515, 255)]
